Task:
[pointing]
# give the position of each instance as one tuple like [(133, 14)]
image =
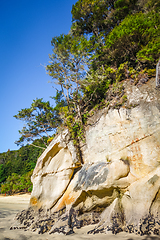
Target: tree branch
[(36, 146)]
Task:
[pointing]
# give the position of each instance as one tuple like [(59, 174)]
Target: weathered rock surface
[(117, 185), (94, 185), (131, 133), (53, 172)]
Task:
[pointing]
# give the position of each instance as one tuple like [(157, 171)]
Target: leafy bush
[(136, 40)]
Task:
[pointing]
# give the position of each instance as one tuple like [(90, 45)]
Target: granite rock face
[(117, 185)]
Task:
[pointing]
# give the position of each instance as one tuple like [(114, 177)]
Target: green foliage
[(39, 119), (119, 31), (135, 40), (124, 98), (75, 126), (59, 103), (100, 81), (121, 71), (99, 16), (16, 183), (90, 16), (97, 84), (19, 161), (49, 139), (151, 72), (2, 173), (150, 52), (152, 5)]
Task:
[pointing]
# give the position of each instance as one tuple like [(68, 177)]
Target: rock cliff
[(116, 188)]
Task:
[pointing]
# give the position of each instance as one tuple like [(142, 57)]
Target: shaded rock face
[(117, 186)]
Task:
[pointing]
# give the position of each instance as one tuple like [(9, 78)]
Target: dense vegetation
[(109, 41), (16, 168)]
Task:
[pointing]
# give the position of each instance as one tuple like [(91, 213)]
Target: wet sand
[(10, 205)]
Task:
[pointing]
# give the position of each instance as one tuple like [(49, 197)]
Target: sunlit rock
[(53, 172)]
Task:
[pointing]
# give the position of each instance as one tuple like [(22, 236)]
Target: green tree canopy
[(40, 120), (19, 161), (91, 16)]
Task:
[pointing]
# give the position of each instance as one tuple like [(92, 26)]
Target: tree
[(40, 119), (68, 68), (90, 17)]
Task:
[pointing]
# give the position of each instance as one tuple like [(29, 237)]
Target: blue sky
[(26, 30)]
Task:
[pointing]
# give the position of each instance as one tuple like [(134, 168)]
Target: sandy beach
[(10, 205)]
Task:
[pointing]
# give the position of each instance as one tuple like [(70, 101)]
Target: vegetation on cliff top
[(109, 41)]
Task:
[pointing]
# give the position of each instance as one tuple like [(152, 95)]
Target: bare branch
[(45, 129), (36, 146)]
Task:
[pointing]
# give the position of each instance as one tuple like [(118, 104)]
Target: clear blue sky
[(26, 30)]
